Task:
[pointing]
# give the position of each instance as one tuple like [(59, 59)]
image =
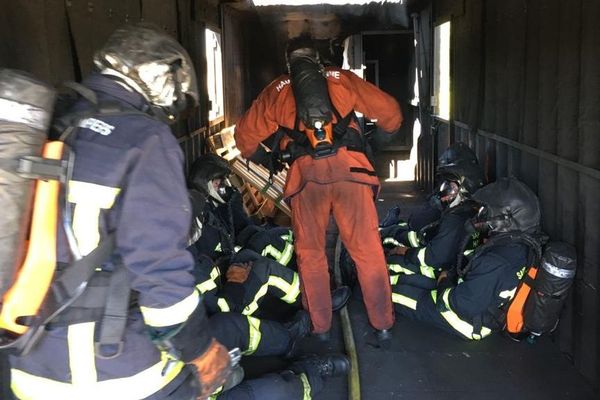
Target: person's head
[(458, 182), (209, 175), (507, 205), (301, 48), (153, 64), (457, 152)]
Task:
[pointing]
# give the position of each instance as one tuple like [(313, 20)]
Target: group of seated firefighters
[(451, 263)]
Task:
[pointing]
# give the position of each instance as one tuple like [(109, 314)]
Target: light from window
[(214, 74), (441, 78)]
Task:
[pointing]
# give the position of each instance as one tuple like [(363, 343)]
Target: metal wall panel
[(541, 79)]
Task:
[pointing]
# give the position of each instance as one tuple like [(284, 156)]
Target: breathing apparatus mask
[(209, 175)]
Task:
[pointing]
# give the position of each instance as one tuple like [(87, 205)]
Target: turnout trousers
[(354, 211)]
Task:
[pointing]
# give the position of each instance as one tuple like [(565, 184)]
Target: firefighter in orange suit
[(310, 113)]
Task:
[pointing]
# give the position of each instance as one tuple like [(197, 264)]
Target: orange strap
[(25, 297), (514, 316)]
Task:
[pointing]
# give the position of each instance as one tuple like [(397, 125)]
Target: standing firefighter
[(312, 111), (139, 329)]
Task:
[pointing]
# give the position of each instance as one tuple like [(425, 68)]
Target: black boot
[(339, 297), (326, 366), (384, 338), (298, 328)]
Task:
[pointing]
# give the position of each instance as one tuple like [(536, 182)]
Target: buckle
[(34, 167)]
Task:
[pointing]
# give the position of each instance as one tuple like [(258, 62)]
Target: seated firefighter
[(469, 299), (228, 223), (233, 279), (406, 232), (441, 240)]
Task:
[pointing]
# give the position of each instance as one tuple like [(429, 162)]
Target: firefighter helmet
[(153, 64), (455, 153), (205, 172), (508, 205)]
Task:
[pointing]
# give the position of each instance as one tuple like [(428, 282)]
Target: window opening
[(214, 74)]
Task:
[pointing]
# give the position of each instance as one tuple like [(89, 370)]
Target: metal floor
[(424, 363)]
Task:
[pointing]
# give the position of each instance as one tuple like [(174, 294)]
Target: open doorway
[(388, 64)]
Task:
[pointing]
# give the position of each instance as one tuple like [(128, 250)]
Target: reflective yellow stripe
[(402, 223), (292, 290), (219, 248), (305, 386), (173, 315), (399, 269), (89, 199), (252, 307), (392, 241), (413, 239), (427, 271), (458, 324), (394, 279), (82, 363), (254, 335), (270, 250), (404, 300), (209, 284), (286, 255), (138, 386), (434, 296), (223, 306), (421, 256), (206, 286)]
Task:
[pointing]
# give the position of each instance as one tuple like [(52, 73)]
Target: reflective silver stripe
[(82, 361), (558, 272), (89, 199), (392, 241), (291, 290), (254, 335), (139, 386), (413, 239), (305, 387), (458, 324), (219, 248), (173, 315), (402, 223), (223, 306), (394, 279), (404, 300), (399, 269)]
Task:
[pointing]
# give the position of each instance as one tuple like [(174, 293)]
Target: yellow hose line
[(354, 377)]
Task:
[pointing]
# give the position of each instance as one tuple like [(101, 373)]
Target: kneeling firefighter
[(311, 113), (125, 320)]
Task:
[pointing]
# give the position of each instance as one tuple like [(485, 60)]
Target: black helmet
[(205, 169), (455, 153), (153, 64), (460, 179), (508, 205)]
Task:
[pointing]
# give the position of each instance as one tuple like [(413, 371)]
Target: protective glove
[(212, 369), (265, 158), (238, 272)]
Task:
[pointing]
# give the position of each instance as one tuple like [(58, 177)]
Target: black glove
[(265, 158)]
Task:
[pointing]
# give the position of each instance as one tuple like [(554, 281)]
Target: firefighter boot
[(339, 298)]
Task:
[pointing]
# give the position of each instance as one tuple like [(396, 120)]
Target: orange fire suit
[(343, 184)]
